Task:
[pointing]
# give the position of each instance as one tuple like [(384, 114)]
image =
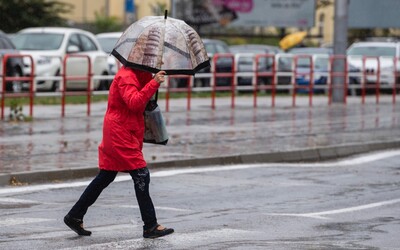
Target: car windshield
[(38, 41), (372, 51), (306, 58), (107, 43)]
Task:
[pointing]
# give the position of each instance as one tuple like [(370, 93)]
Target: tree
[(19, 14), (106, 24)]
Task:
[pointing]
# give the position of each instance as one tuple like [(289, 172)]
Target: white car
[(49, 46), (107, 42), (371, 56)]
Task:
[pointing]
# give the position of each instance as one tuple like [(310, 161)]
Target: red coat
[(123, 128)]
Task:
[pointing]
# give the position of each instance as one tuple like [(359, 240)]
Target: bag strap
[(156, 96)]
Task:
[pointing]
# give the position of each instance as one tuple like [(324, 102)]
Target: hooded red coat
[(123, 128)]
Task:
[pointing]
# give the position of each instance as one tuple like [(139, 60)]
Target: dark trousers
[(141, 179)]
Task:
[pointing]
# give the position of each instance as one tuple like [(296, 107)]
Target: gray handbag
[(155, 130)]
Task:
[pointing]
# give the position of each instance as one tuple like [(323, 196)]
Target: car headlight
[(43, 60)]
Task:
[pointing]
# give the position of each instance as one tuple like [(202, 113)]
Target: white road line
[(19, 201), (359, 160), (319, 215), (19, 221)]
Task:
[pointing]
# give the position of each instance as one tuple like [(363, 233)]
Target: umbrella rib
[(187, 45), (176, 49)]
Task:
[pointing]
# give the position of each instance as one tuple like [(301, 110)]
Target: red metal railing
[(66, 78), (216, 75), (377, 74), (309, 75), (177, 89), (6, 78), (259, 74)]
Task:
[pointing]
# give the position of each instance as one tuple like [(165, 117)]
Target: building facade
[(84, 11)]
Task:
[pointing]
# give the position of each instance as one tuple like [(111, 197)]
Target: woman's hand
[(159, 77)]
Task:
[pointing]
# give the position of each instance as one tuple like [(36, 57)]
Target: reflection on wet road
[(53, 143)]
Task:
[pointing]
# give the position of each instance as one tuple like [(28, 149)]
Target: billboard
[(245, 13), (374, 14)]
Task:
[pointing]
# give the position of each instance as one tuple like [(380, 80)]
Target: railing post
[(88, 77)]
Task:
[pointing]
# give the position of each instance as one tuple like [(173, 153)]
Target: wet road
[(349, 204), (51, 143)]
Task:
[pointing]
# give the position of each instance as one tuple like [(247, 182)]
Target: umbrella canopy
[(292, 40), (156, 43)]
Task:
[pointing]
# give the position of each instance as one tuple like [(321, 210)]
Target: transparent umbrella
[(156, 43)]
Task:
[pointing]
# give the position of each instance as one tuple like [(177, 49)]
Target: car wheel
[(56, 84), (104, 84)]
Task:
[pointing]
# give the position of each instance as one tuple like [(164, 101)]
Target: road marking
[(19, 201), (319, 215), (19, 221), (358, 160)]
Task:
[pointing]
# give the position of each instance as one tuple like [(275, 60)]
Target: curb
[(307, 155)]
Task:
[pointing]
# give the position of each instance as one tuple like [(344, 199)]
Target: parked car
[(372, 52), (319, 57), (50, 45), (245, 61), (224, 64), (14, 65), (107, 42)]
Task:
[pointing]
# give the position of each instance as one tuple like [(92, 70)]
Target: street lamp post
[(339, 48)]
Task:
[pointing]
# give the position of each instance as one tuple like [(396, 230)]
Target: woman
[(121, 149)]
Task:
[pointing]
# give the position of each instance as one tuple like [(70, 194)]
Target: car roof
[(378, 44), (109, 34), (257, 47), (311, 50), (61, 30)]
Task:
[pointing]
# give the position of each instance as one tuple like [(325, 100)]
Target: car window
[(87, 43), (107, 43), (372, 51), (321, 63), (221, 49), (74, 41), (5, 44), (38, 41), (210, 48)]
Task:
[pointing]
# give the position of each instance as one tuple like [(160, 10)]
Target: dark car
[(223, 64), (319, 57), (14, 66)]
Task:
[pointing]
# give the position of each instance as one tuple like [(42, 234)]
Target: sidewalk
[(52, 148)]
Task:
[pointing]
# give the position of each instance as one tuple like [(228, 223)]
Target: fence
[(271, 74)]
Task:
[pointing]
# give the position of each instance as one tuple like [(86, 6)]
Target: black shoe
[(155, 233), (76, 225)]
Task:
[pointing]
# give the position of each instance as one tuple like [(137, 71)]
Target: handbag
[(155, 131)]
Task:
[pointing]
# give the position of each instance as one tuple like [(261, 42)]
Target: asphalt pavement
[(51, 148)]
